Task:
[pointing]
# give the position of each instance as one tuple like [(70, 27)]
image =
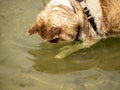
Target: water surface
[(26, 63)]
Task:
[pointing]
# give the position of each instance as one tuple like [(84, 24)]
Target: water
[(26, 63)]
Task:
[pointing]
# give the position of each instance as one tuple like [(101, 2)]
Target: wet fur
[(59, 21)]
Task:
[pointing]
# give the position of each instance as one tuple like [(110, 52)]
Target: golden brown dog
[(60, 19), (57, 21)]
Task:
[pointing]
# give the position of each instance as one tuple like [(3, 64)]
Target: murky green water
[(26, 63)]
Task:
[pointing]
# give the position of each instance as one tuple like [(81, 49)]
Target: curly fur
[(58, 21)]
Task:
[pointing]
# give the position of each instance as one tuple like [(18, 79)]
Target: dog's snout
[(54, 40)]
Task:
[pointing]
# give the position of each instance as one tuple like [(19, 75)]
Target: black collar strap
[(78, 32), (89, 16)]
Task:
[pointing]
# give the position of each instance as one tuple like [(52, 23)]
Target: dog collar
[(89, 16)]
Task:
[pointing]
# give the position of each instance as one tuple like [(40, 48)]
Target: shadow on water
[(104, 55)]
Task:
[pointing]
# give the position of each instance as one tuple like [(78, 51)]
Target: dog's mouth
[(54, 40), (63, 37)]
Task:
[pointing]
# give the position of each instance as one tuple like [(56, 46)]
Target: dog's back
[(111, 15)]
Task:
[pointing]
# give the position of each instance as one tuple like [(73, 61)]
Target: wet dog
[(66, 20)]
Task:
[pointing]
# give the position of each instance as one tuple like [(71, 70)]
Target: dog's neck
[(89, 18), (94, 9), (88, 15)]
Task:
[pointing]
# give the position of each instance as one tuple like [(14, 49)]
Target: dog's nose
[(54, 40)]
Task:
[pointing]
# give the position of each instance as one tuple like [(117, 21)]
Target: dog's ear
[(34, 29)]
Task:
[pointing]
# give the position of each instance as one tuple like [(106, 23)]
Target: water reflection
[(28, 64), (104, 55)]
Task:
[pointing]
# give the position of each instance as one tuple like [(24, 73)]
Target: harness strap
[(78, 32), (89, 16)]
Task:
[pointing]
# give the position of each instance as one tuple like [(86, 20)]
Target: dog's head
[(56, 23)]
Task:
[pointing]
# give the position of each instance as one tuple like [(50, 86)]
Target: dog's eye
[(54, 40)]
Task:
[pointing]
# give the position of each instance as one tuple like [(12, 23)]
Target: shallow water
[(26, 63)]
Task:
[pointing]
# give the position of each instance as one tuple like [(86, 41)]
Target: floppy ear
[(34, 29)]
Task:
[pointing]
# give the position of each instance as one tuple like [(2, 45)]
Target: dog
[(67, 20)]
